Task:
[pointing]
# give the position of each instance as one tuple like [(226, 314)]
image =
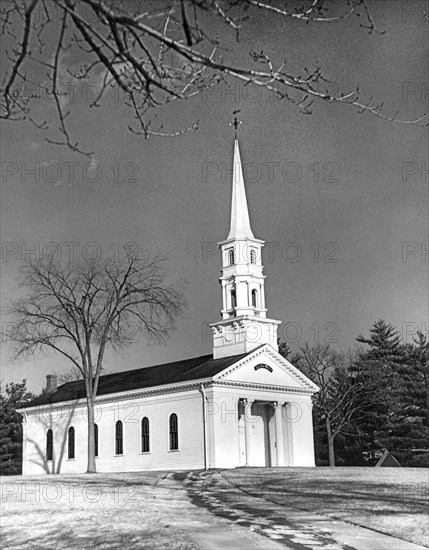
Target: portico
[(261, 432), (259, 413)]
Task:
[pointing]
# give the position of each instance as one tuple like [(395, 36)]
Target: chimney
[(51, 383)]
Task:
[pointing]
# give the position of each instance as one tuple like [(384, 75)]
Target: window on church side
[(119, 438), (253, 256), (70, 453), (49, 445), (174, 433), (231, 258), (95, 439), (254, 298), (145, 435)]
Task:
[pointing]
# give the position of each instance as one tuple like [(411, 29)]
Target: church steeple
[(240, 222), (244, 325)]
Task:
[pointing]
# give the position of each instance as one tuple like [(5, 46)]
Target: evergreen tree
[(15, 396), (381, 366), (412, 432), (384, 342), (416, 379)]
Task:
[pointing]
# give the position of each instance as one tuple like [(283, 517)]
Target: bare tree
[(155, 53), (344, 392), (72, 374), (81, 309)]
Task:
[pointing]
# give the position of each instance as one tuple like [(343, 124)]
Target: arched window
[(233, 300), (145, 435), (231, 259), (254, 298), (174, 433), (119, 438), (95, 439), (49, 444), (71, 443), (253, 256)]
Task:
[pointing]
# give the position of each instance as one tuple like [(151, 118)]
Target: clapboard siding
[(187, 406)]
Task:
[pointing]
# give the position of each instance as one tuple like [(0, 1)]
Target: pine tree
[(16, 394), (381, 365), (412, 433), (416, 377)]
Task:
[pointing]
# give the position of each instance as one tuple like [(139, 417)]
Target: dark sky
[(336, 195)]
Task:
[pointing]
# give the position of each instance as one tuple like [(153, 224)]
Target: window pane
[(231, 257), (174, 439), (49, 445), (119, 448), (145, 435), (71, 443)]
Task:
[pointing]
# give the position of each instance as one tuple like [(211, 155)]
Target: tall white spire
[(244, 325), (240, 222)]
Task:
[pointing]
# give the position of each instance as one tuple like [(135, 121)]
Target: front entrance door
[(259, 436)]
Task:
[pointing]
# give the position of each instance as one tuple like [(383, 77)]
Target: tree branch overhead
[(157, 53)]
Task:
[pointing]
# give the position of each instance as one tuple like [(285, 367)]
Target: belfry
[(244, 325)]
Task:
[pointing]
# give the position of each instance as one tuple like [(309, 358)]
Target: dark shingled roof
[(159, 375)]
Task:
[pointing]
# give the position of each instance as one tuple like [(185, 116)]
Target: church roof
[(196, 368)]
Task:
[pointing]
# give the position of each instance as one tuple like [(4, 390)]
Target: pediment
[(265, 366)]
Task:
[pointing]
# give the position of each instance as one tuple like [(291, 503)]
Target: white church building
[(243, 405)]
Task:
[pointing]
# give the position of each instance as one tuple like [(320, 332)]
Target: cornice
[(243, 320), (103, 399), (295, 372), (265, 387), (240, 239)]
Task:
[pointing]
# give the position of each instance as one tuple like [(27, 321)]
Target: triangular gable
[(266, 366)]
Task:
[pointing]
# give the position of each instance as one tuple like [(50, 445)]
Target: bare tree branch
[(79, 310), (156, 55), (344, 394)]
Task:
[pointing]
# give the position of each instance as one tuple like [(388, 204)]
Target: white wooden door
[(259, 437)]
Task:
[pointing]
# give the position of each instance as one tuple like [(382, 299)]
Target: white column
[(279, 432), (247, 425)]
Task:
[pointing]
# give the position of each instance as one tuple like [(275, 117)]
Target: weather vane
[(236, 122)]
